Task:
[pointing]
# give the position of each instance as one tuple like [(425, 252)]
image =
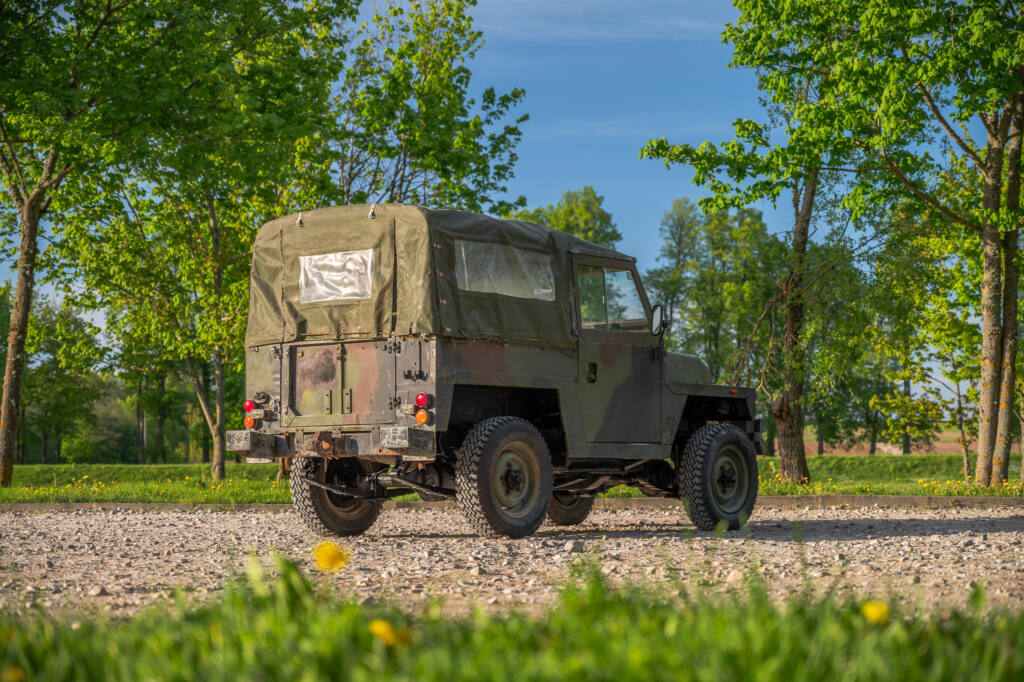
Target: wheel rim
[(730, 479), (515, 479)]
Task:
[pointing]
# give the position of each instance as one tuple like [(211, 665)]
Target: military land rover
[(517, 369)]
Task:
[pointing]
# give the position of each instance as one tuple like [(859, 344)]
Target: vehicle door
[(619, 368), (343, 371)]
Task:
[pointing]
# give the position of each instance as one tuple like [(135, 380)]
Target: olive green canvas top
[(338, 273)]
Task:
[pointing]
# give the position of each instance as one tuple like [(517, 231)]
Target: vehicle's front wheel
[(503, 477), (718, 477), (569, 509), (324, 512)]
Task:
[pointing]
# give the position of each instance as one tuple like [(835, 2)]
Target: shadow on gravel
[(812, 530)]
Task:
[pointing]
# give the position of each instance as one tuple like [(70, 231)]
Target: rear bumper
[(257, 446), (409, 443)]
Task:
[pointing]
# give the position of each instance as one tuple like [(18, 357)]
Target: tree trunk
[(963, 433), (218, 432), (873, 446), (284, 468), (787, 408), (1008, 384), (906, 429), (161, 416), (206, 433), (821, 442), (217, 428), (1020, 426), (46, 442), (21, 434), (140, 425), (990, 383), (214, 415), (11, 400), (58, 441)]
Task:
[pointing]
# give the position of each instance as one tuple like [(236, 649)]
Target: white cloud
[(594, 21)]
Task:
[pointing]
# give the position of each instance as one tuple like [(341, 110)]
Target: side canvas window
[(609, 299), (505, 270)]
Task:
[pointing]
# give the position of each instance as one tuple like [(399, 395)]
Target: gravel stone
[(416, 556)]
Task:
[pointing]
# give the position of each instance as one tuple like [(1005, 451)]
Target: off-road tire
[(696, 476), (486, 444), (319, 512), (569, 509)]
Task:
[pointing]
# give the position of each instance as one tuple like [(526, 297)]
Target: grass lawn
[(254, 483), (291, 628)]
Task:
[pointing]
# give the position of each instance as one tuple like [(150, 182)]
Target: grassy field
[(254, 483), (291, 628)]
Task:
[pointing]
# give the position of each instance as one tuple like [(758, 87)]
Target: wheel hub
[(730, 480), (514, 480)]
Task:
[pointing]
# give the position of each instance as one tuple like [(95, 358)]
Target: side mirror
[(658, 322)]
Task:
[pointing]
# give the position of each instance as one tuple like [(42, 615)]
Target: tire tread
[(467, 472), (691, 475)]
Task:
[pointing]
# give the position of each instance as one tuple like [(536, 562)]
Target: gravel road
[(118, 561)]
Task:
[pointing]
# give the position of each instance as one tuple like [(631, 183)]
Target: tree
[(714, 275), (60, 386), (405, 127), (86, 88), (740, 172), (184, 217), (578, 212), (175, 291), (907, 85)]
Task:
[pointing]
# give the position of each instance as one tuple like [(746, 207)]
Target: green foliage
[(917, 416), (880, 71), (578, 212), (717, 275), (286, 629), (406, 128)]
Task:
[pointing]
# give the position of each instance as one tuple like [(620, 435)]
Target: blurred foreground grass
[(254, 483), (289, 628)]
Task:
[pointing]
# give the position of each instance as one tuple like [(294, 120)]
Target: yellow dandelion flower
[(330, 557), (389, 634), (876, 612), (13, 674)]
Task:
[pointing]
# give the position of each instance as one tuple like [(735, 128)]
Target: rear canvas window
[(505, 270), (339, 276)]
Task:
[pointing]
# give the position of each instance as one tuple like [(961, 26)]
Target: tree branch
[(924, 196), (11, 168), (952, 134)]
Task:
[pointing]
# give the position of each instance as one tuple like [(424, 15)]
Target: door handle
[(591, 372)]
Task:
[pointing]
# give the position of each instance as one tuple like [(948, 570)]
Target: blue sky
[(601, 78)]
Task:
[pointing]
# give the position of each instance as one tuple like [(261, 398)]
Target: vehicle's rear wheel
[(718, 477), (569, 509), (324, 512), (503, 477)]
